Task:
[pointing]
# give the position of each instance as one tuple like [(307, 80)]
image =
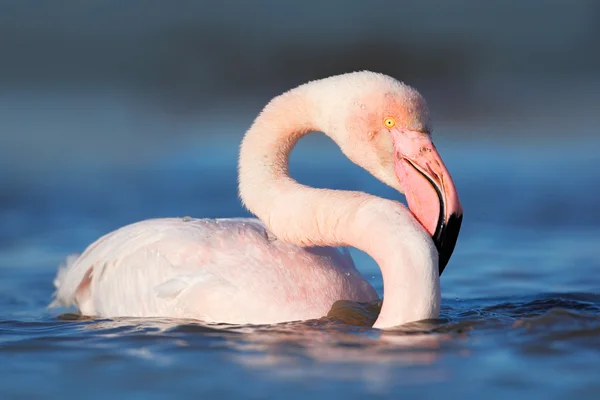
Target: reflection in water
[(333, 349), (303, 353), (468, 343), (329, 347)]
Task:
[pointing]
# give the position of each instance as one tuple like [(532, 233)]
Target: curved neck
[(306, 216)]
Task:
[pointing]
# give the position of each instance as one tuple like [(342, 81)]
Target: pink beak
[(429, 190)]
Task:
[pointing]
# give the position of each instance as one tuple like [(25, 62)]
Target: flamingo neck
[(306, 216)]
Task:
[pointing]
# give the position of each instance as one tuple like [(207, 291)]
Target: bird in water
[(290, 263)]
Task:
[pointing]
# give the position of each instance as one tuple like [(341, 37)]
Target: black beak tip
[(445, 239)]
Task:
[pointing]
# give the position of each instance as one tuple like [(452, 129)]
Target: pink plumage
[(285, 266)]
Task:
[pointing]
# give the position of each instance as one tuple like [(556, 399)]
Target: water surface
[(521, 298)]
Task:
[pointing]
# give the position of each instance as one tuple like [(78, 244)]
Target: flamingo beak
[(429, 190)]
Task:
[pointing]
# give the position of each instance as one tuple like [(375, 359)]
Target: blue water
[(521, 295)]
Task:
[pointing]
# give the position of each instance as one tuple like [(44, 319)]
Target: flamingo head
[(388, 132)]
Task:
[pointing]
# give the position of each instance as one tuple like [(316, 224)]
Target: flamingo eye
[(389, 122)]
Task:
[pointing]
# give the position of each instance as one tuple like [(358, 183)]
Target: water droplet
[(187, 219)]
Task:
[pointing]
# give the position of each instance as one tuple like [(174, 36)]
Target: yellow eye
[(389, 122)]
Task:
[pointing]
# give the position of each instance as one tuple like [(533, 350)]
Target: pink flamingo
[(281, 267)]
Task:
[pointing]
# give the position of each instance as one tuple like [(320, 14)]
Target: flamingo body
[(284, 266), (213, 270)]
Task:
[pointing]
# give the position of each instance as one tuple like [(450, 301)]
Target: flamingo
[(291, 262)]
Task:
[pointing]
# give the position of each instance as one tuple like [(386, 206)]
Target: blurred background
[(113, 111), (114, 81)]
